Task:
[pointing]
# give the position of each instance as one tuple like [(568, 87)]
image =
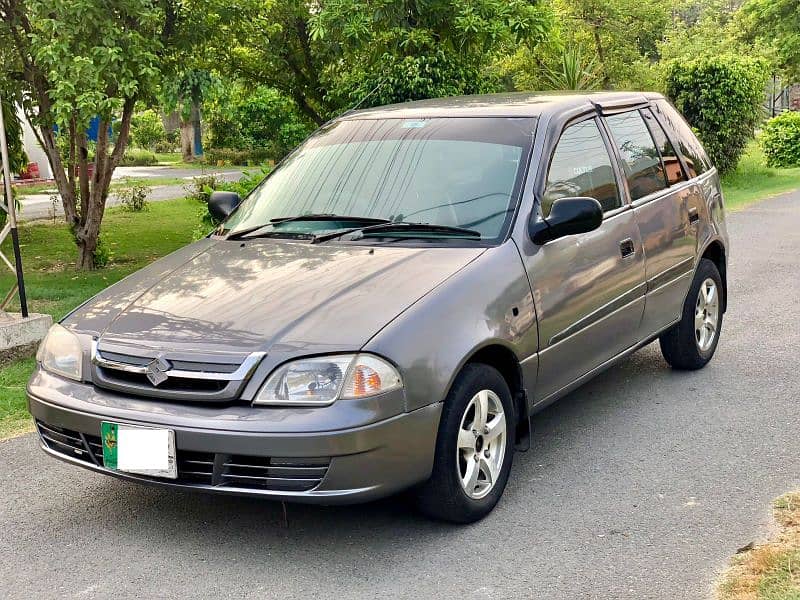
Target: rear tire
[(691, 343), (474, 448)]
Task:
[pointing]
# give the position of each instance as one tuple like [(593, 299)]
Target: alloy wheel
[(481, 444), (706, 315)]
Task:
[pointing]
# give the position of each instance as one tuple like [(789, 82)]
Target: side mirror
[(568, 216), (222, 204)]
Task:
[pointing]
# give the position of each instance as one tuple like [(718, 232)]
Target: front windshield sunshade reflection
[(454, 172)]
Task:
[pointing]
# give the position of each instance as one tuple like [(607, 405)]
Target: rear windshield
[(458, 172), (696, 158)]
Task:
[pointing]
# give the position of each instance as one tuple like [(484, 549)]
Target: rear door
[(667, 209), (588, 288)]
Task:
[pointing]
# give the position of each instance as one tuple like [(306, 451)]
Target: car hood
[(230, 296)]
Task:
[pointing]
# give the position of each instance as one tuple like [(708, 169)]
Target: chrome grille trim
[(198, 468), (242, 372)]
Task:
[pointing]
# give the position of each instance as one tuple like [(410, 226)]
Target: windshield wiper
[(255, 231), (399, 227)]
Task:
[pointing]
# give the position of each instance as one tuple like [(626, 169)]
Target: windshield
[(453, 172)]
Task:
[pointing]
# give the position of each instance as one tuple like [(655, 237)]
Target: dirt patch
[(12, 354)]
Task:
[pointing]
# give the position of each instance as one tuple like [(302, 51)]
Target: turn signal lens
[(370, 375)]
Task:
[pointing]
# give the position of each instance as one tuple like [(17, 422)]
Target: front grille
[(67, 442), (213, 378), (140, 384), (196, 467), (225, 471), (286, 474)]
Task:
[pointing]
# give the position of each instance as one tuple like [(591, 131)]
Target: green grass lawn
[(753, 180), (14, 417), (175, 159), (168, 158), (55, 288)]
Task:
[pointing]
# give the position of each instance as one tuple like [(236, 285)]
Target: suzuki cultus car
[(389, 306)]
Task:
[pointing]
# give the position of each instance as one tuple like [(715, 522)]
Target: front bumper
[(339, 466)]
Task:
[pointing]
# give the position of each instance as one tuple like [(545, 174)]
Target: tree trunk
[(86, 260), (601, 55), (187, 139), (197, 141), (93, 209)]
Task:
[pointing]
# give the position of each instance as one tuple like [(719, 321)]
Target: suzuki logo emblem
[(157, 370)]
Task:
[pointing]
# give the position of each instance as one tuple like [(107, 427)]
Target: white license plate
[(140, 450)]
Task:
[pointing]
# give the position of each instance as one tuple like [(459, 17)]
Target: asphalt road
[(40, 206), (639, 485)]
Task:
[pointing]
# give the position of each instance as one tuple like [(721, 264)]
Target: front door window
[(581, 166)]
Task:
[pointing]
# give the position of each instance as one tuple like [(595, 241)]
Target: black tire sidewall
[(445, 477), (697, 357)]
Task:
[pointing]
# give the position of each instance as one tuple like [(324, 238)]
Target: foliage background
[(781, 140), (721, 98)]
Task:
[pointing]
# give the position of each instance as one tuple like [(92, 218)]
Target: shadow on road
[(559, 431)]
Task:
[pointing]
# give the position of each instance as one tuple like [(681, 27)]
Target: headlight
[(321, 380), (61, 353)]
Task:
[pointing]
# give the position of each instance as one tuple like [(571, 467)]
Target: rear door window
[(640, 157), (581, 166), (672, 164), (697, 161)]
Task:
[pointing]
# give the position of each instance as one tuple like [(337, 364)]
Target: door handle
[(694, 216), (626, 248)]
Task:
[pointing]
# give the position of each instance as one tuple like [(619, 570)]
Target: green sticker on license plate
[(109, 432)]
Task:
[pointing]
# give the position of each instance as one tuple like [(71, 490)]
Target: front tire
[(474, 448), (691, 343)]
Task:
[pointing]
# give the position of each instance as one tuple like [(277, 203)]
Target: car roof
[(513, 104)]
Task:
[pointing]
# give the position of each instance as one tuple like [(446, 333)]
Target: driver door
[(588, 288)]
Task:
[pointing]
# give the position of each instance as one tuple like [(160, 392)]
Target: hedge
[(229, 156), (137, 157), (721, 98), (781, 140)]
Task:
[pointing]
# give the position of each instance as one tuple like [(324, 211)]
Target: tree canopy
[(266, 71), (330, 57), (776, 23)]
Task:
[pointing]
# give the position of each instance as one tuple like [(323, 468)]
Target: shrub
[(134, 196), (201, 188), (262, 121), (247, 182), (136, 157), (721, 98), (102, 254), (246, 157), (781, 140), (147, 129), (164, 147)]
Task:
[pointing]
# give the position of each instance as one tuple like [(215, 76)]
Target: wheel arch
[(505, 360)]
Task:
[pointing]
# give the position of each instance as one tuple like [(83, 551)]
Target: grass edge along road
[(768, 571), (132, 241), (753, 181)]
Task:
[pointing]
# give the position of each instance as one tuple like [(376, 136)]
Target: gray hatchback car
[(388, 307)]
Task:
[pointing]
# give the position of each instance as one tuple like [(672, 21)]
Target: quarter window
[(696, 159), (672, 164), (581, 166), (640, 158)]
